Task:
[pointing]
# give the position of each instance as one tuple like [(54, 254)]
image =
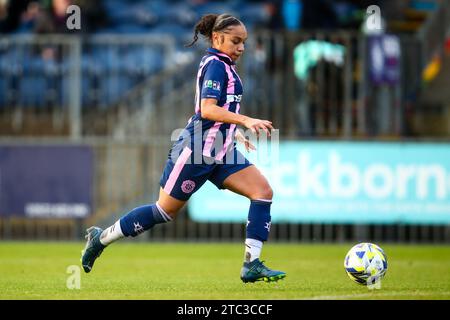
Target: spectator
[(276, 20), (10, 13), (53, 18), (29, 17), (3, 10)]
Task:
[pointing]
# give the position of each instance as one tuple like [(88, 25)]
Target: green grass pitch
[(137, 270)]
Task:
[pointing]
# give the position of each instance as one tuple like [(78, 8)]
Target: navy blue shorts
[(183, 178)]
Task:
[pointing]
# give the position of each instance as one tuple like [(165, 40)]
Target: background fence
[(123, 95), (126, 175), (117, 86)]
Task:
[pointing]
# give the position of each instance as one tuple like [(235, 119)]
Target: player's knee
[(268, 193), (171, 211), (264, 192), (172, 214)]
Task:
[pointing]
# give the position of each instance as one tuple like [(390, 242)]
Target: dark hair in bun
[(213, 22)]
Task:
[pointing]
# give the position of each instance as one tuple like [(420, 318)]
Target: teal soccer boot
[(93, 248), (257, 271)]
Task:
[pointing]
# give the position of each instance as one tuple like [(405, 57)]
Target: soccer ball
[(366, 263)]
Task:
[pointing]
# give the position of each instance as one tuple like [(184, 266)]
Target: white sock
[(252, 249), (111, 234)]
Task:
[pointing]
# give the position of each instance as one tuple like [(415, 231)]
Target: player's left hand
[(242, 139), (248, 145)]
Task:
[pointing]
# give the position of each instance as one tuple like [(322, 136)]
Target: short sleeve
[(213, 80)]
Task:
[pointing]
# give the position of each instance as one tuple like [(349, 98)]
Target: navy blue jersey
[(206, 150), (217, 79)]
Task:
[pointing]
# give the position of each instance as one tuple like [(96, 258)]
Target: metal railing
[(323, 105), (159, 104), (94, 86), (337, 101), (66, 77)]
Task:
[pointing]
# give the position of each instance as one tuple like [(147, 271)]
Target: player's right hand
[(255, 125)]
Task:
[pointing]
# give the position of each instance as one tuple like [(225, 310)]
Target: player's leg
[(132, 224), (143, 218), (245, 179), (250, 183), (180, 179)]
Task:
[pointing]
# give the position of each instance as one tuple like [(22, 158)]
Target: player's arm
[(211, 111)]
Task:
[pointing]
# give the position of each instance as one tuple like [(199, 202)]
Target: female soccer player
[(206, 151)]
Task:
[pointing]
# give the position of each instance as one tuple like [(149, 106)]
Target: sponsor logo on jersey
[(211, 84), (234, 98)]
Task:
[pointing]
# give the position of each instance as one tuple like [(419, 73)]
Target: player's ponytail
[(213, 22)]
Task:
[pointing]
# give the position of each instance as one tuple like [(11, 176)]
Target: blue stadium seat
[(214, 7), (135, 13), (131, 28), (112, 88), (142, 60), (160, 8), (51, 67), (176, 31), (115, 10), (253, 14), (110, 71), (181, 14), (12, 62), (24, 28), (32, 91)]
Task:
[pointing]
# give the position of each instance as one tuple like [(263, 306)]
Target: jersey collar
[(222, 56)]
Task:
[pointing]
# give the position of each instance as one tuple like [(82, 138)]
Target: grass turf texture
[(127, 270)]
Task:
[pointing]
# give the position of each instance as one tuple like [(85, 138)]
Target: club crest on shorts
[(188, 186)]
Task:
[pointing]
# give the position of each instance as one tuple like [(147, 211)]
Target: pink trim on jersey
[(232, 66), (213, 130), (224, 55), (235, 72), (199, 74), (238, 107), (212, 135), (179, 165), (229, 138), (231, 80)]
